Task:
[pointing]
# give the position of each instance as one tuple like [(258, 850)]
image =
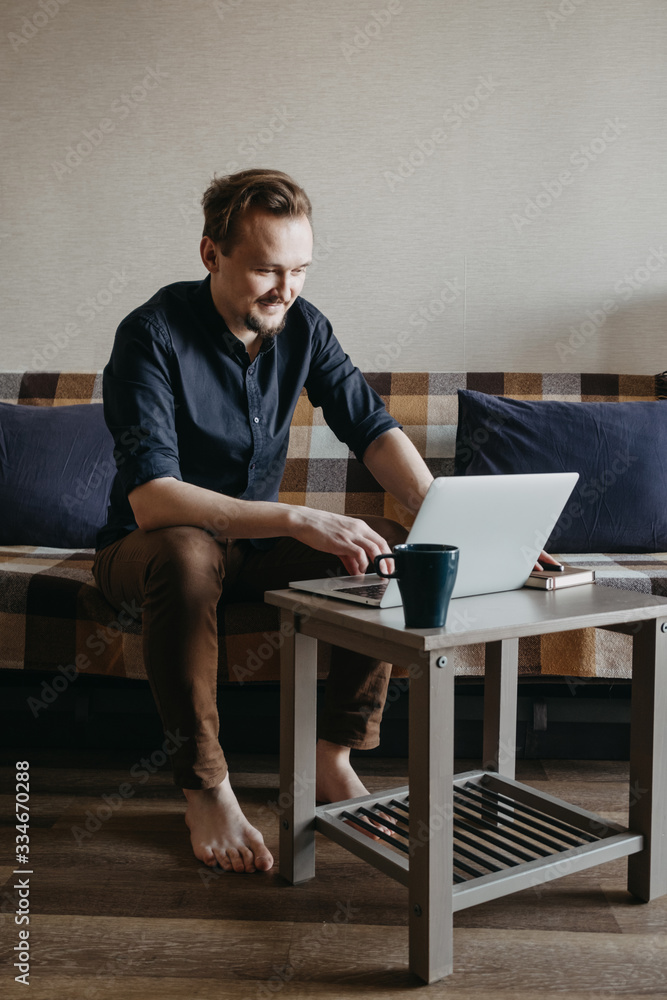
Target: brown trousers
[(179, 575)]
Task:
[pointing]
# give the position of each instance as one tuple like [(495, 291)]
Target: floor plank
[(128, 912), (486, 960), (589, 770), (138, 988), (631, 914), (45, 809), (105, 949), (120, 958)]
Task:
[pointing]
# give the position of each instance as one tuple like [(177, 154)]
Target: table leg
[(431, 767), (647, 871), (501, 669), (298, 711)]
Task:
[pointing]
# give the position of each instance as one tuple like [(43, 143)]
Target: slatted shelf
[(507, 836)]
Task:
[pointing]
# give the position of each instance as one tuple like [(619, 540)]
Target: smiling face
[(255, 284)]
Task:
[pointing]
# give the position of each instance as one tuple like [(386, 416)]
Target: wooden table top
[(486, 618)]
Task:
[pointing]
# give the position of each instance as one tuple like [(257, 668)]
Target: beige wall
[(496, 164)]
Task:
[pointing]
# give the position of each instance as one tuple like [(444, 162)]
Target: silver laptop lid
[(500, 524)]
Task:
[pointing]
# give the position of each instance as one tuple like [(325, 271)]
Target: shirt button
[(252, 466), (255, 420), (251, 371)]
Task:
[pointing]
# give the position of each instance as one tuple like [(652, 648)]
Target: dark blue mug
[(426, 575)]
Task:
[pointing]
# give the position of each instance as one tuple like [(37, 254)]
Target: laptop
[(499, 523)]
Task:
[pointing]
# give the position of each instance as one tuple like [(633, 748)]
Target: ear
[(209, 254)]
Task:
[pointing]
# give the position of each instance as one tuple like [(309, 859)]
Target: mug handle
[(378, 560)]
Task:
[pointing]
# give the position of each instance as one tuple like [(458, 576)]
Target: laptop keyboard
[(367, 590)]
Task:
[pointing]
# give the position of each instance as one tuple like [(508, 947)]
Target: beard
[(263, 330)]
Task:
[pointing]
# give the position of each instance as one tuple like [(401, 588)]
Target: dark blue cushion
[(56, 470), (618, 449)]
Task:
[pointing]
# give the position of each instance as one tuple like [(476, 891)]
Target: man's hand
[(546, 558), (164, 502), (349, 538)]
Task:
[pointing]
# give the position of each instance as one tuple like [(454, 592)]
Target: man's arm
[(399, 468), (165, 502), (401, 471)]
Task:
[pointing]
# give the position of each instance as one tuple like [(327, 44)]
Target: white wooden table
[(459, 840)]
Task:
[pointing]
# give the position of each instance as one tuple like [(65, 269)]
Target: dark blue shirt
[(182, 398)]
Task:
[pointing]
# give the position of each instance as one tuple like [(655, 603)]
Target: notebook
[(499, 523)]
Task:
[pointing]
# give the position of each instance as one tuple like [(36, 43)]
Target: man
[(199, 393)]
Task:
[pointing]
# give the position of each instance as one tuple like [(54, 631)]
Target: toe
[(263, 857), (236, 859), (223, 860), (248, 859), (204, 853), (362, 829)]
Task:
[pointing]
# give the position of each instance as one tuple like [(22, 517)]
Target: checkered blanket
[(53, 617)]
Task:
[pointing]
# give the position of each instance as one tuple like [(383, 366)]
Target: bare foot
[(220, 833), (337, 780)]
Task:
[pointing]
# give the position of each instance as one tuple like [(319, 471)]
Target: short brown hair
[(227, 198)]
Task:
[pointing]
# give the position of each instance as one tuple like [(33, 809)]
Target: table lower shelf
[(507, 836)]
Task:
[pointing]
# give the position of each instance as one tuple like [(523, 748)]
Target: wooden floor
[(129, 913)]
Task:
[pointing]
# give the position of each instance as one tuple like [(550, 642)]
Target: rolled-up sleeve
[(139, 405), (352, 409)]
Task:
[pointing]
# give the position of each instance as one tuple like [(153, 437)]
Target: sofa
[(53, 618)]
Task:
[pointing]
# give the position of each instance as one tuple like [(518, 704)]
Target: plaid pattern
[(321, 473), (52, 614)]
